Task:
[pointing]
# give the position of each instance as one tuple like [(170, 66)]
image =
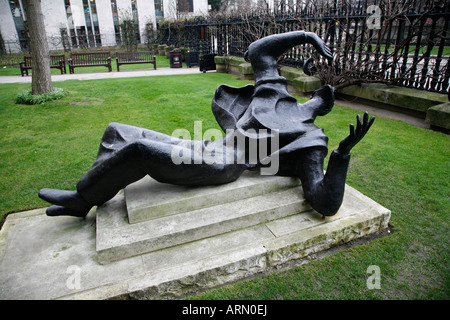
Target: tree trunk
[(41, 81)]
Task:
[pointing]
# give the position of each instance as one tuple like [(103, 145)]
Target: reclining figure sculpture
[(253, 112)]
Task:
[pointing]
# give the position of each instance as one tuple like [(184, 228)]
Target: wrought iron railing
[(406, 43)]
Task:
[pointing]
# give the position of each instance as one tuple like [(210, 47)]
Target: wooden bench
[(89, 59), (135, 58), (56, 61)]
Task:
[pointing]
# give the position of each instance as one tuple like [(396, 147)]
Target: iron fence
[(405, 43)]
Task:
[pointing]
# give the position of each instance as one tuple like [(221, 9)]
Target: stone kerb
[(246, 71), (161, 51), (230, 64), (439, 116), (167, 49), (431, 106), (301, 83), (413, 99)]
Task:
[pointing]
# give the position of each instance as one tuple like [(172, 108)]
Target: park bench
[(135, 58), (56, 61), (89, 59)]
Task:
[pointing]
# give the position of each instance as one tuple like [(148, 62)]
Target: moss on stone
[(291, 73), (413, 99), (305, 84), (245, 68), (439, 115)]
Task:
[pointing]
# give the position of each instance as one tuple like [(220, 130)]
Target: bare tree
[(129, 30), (177, 9), (150, 34), (41, 81)]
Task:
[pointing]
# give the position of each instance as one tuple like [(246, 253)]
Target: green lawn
[(404, 168)]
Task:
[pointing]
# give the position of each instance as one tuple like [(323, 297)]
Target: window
[(72, 34), (134, 9), (185, 6), (116, 20), (19, 22), (159, 9)]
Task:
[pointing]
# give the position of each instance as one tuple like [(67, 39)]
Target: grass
[(404, 168)]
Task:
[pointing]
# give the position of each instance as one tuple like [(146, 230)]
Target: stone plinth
[(173, 255)]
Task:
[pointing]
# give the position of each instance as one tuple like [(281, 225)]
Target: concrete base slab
[(47, 258), (56, 258)]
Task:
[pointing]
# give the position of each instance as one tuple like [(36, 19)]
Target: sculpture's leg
[(154, 158), (65, 203), (129, 164), (106, 178), (324, 192)]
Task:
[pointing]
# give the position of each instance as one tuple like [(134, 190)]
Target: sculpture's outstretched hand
[(319, 44), (356, 135)]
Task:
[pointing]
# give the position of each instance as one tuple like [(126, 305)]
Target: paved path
[(177, 71), (105, 75), (385, 113)]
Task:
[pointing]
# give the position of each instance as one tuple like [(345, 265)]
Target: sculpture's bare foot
[(65, 203)]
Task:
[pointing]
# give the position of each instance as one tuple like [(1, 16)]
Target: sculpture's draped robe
[(269, 106)]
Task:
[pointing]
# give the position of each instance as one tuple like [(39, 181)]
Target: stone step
[(117, 239), (148, 199)]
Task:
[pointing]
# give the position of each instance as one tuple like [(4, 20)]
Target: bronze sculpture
[(254, 113)]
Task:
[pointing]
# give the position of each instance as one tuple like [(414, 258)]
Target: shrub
[(27, 98)]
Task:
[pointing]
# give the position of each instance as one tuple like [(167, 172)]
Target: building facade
[(89, 23)]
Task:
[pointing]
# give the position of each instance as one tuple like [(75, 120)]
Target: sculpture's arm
[(319, 45), (264, 52), (325, 192)]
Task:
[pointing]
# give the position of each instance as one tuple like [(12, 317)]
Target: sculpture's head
[(246, 58), (327, 94)]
